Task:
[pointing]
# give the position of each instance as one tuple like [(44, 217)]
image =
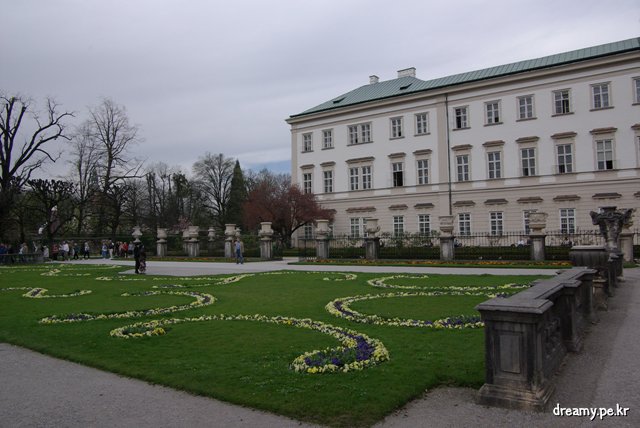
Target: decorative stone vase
[(265, 230), (537, 221), (446, 225), (230, 230), (192, 232), (211, 234), (162, 234), (136, 234), (371, 227), (322, 228)]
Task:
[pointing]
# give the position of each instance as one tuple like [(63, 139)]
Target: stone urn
[(537, 222), (136, 234), (265, 230), (322, 229), (192, 232), (162, 234), (371, 227), (230, 230), (446, 225), (211, 234)]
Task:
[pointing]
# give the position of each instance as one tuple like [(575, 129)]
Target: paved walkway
[(40, 391)]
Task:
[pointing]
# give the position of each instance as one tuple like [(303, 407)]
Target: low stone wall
[(528, 335)]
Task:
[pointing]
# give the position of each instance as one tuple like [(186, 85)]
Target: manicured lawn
[(249, 362)]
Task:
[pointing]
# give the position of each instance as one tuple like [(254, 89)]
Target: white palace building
[(559, 134)]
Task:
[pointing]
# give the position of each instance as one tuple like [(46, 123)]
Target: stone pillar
[(266, 234), (537, 222), (161, 243), (211, 235), (322, 239), (193, 243), (371, 241), (136, 234), (229, 233), (185, 239), (611, 221), (446, 238)]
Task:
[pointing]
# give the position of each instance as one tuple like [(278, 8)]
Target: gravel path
[(40, 391)]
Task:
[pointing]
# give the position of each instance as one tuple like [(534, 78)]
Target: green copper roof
[(410, 85)]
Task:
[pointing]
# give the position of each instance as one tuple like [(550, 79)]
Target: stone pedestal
[(193, 243), (266, 241), (211, 235), (230, 234), (161, 243), (447, 244), (322, 239), (537, 222), (626, 245), (371, 241)]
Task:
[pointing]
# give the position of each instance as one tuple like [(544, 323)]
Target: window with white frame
[(360, 178), (604, 154), (327, 139), (327, 177), (398, 225), (636, 90), (494, 160), (396, 127), (397, 170), (561, 102), (495, 222), (354, 178), (567, 220), (600, 95), (492, 112), (307, 144), (308, 231), (528, 161), (422, 123), (525, 220), (424, 224), (464, 224), (355, 226), (307, 182), (422, 167), (366, 177), (462, 167), (564, 154), (525, 107), (461, 117), (359, 134)]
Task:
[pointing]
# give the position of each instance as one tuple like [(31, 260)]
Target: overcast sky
[(202, 76)]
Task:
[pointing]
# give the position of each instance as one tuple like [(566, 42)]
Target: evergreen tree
[(237, 195)]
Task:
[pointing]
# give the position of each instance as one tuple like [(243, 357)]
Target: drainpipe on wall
[(446, 106)]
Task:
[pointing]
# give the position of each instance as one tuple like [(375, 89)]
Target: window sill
[(328, 148), (493, 124), (461, 129), (562, 114), (307, 151), (420, 135), (524, 119), (359, 144), (601, 108), (396, 138)]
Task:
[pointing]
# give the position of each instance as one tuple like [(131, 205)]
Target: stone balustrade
[(527, 336)]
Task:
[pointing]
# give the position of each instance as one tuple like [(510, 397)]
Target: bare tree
[(24, 152), (113, 135), (213, 175), (84, 160)]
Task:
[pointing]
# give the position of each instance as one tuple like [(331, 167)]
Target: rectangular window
[(328, 181), (327, 139), (461, 117), (567, 220), (561, 101), (423, 171), (396, 127), (462, 166), (398, 174), (398, 225), (528, 157), (496, 223), (359, 134), (354, 179), (422, 123), (366, 177), (353, 134), (492, 110), (355, 227), (306, 143), (365, 131), (308, 231), (525, 220), (495, 164), (525, 107), (600, 94), (306, 182), (604, 154), (565, 158), (464, 224), (636, 87), (424, 224)]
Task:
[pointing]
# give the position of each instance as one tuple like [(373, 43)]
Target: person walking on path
[(239, 250), (136, 256), (142, 260)]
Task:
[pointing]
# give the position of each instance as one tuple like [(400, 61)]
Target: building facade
[(559, 134)]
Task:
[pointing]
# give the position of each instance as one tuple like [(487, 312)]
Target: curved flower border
[(382, 283), (357, 352), (202, 299), (40, 293)]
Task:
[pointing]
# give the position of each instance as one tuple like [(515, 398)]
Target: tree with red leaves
[(273, 198)]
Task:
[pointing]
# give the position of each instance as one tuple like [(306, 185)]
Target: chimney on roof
[(407, 72), (373, 79)]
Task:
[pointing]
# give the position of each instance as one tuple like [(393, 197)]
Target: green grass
[(247, 362)]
